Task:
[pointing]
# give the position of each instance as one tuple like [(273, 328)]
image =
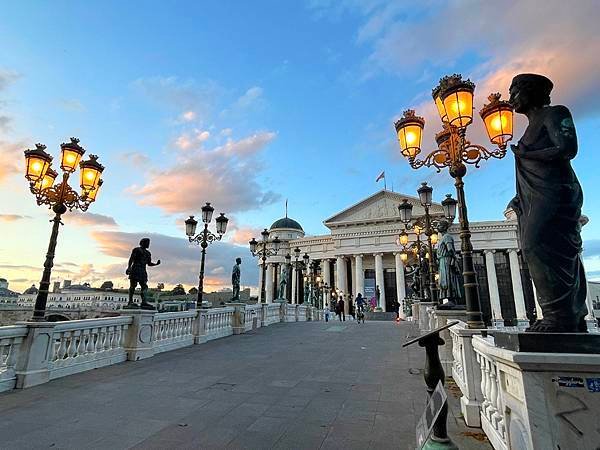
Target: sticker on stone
[(593, 384), (569, 381)]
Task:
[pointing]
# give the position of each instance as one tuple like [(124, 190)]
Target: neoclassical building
[(361, 252)]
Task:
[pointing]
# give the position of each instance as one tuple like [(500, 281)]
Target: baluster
[(488, 387), (122, 336), (481, 361), (4, 351), (89, 348), (493, 392), (10, 359), (100, 341), (62, 349), (80, 350)]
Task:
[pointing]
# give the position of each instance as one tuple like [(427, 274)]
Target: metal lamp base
[(437, 444)]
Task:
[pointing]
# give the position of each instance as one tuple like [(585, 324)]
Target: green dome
[(288, 223)]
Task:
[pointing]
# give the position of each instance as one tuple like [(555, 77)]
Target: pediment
[(381, 206)]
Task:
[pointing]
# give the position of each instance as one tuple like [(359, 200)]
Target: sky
[(247, 104)]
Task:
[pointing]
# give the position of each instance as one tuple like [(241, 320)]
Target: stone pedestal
[(199, 328), (542, 400), (33, 363), (138, 342), (239, 317)]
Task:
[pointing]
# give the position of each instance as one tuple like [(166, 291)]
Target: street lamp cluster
[(453, 98), (263, 251), (59, 197), (204, 238)]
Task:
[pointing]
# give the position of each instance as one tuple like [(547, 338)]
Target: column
[(359, 274), (379, 281), (342, 281), (269, 282), (492, 279), (294, 288), (515, 276), (326, 271), (260, 274), (400, 284), (353, 273)]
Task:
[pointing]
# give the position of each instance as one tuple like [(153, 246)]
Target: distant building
[(6, 295), (79, 297), (594, 295)]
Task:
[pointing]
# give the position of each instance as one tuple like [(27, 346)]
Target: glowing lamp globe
[(90, 195), (37, 162), (90, 173), (409, 130), (497, 116), (71, 153), (403, 238), (457, 96), (404, 256), (439, 104), (434, 238), (47, 181)]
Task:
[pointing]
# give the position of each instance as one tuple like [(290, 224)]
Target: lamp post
[(60, 197), (453, 98), (297, 270), (263, 252), (416, 247), (204, 238)]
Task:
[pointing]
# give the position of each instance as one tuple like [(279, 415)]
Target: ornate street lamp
[(453, 98), (60, 197), (204, 238), (261, 249)]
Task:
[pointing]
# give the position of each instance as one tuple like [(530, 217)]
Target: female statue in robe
[(548, 205), (450, 280)]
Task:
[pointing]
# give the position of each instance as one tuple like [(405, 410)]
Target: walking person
[(351, 309), (340, 309), (327, 314)]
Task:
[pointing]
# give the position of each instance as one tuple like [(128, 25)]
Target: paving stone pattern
[(307, 385)]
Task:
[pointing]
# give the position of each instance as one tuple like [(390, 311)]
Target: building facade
[(362, 252)]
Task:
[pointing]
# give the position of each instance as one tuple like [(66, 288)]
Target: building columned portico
[(361, 254)]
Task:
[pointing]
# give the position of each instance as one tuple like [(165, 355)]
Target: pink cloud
[(227, 176), (13, 162), (88, 219)]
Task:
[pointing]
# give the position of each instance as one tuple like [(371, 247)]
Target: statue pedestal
[(534, 399), (239, 317), (548, 342), (138, 341)]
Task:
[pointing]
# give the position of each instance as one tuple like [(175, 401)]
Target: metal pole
[(433, 288), (203, 244), (474, 318), (263, 294), (39, 311)]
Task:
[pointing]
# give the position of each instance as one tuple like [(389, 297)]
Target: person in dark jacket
[(340, 309)]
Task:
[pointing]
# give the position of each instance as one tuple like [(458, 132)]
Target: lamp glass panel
[(434, 238), (253, 245), (409, 137), (403, 238), (441, 110), (91, 194), (207, 212), (499, 126), (222, 224), (89, 178), (459, 107), (190, 226), (70, 159), (36, 168), (404, 256)]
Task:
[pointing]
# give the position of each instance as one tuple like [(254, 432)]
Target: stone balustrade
[(11, 338), (33, 353)]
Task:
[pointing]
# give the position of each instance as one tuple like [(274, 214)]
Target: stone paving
[(307, 385)]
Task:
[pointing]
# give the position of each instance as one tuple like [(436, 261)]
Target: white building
[(80, 298), (361, 252), (6, 295)]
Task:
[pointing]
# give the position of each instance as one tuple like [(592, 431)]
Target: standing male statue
[(450, 278), (235, 280), (283, 282), (136, 269), (548, 205)]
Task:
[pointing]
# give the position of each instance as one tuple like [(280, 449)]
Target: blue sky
[(245, 104)]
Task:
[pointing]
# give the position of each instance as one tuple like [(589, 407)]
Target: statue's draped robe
[(548, 206), (141, 258), (450, 282)]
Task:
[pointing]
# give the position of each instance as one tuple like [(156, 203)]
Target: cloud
[(188, 116), (11, 155), (12, 217), (193, 139), (240, 235), (226, 175), (135, 158), (556, 38), (251, 97), (89, 219), (7, 77), (180, 261)]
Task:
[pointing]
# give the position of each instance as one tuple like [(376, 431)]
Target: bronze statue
[(450, 277), (136, 269), (235, 280), (548, 205), (283, 283)]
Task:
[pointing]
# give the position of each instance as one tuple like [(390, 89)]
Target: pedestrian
[(327, 314), (351, 309), (340, 309)]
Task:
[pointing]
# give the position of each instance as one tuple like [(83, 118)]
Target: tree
[(193, 291), (178, 290), (107, 286), (160, 286)]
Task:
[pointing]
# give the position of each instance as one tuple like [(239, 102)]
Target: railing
[(492, 411), (80, 345), (173, 330), (458, 364), (302, 316), (273, 313), (290, 313), (252, 312), (218, 322), (11, 338)]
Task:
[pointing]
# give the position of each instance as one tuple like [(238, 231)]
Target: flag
[(381, 175)]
